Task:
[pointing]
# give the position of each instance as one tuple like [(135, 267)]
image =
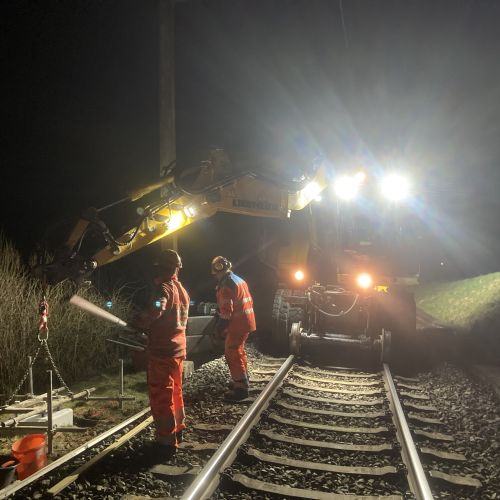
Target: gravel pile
[(471, 413)]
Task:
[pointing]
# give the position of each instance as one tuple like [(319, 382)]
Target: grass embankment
[(108, 384), (472, 305), (77, 340)]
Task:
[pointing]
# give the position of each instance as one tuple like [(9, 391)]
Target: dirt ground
[(96, 416)]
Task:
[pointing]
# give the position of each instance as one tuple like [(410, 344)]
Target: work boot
[(231, 383), (165, 452), (179, 437), (156, 453), (236, 394)]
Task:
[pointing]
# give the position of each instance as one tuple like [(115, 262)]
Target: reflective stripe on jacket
[(167, 316), (235, 304)]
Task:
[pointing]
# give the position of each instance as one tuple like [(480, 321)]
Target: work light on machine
[(312, 191), (364, 280), (175, 221), (190, 211), (395, 187), (299, 275), (346, 187)]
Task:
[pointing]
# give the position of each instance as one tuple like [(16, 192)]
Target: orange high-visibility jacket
[(166, 319), (235, 304)]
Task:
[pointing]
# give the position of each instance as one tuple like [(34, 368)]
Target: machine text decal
[(259, 205)]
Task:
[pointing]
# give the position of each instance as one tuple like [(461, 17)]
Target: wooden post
[(166, 16), (121, 385), (31, 390), (50, 415)]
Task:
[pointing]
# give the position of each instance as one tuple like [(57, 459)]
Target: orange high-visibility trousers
[(165, 397), (236, 357)]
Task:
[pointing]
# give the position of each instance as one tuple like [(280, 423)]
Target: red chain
[(43, 310)]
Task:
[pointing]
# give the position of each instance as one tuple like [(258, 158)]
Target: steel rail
[(416, 474), (9, 490), (207, 480), (71, 478)]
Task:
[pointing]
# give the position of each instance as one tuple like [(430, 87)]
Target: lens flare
[(299, 275), (395, 187), (360, 177), (364, 280), (346, 187)]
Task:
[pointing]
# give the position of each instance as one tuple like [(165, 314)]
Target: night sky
[(407, 84)]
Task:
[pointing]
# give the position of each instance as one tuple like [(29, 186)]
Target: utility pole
[(166, 16)]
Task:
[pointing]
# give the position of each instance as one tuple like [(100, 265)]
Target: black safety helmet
[(220, 263), (169, 259)]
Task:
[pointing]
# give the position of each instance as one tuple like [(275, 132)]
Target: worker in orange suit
[(164, 321), (236, 320)]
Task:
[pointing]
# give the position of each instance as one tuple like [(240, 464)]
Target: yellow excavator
[(343, 301), (179, 200)]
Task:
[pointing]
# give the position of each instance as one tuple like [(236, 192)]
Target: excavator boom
[(214, 189)]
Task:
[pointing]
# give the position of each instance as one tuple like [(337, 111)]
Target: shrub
[(76, 340)]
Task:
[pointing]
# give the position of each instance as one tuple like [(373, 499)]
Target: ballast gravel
[(468, 409)]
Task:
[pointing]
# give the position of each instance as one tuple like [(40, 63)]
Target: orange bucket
[(31, 453)]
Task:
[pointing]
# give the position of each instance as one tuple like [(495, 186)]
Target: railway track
[(305, 432), (349, 425)]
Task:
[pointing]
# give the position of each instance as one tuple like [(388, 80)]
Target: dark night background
[(414, 84)]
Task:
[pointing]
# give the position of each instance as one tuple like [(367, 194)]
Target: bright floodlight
[(360, 177), (299, 275), (394, 187), (364, 280), (312, 191), (176, 220), (346, 187)]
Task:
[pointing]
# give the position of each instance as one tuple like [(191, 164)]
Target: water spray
[(87, 306)]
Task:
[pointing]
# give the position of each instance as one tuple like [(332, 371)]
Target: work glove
[(220, 327)]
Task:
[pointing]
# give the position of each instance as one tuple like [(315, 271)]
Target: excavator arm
[(180, 200)]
